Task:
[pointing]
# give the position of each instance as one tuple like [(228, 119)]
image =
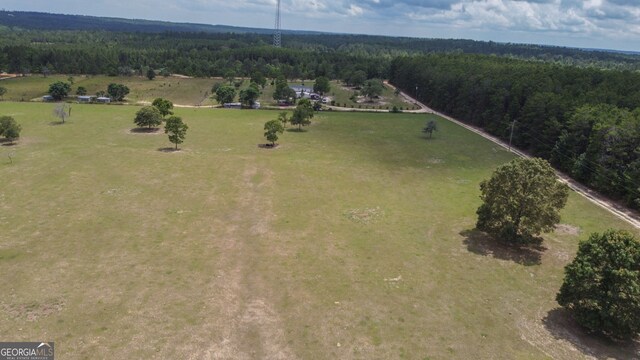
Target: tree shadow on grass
[(168, 149), (140, 130), (482, 244), (562, 326), (268, 146), (56, 123), (296, 130), (7, 142)]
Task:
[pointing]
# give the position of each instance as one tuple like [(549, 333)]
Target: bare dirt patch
[(34, 310), (364, 216), (566, 229)]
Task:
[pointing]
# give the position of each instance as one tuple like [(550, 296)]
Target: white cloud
[(355, 10)]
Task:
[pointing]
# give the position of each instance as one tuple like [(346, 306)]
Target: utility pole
[(513, 125)]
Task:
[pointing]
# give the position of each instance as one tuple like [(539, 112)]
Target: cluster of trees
[(601, 288), (60, 90), (585, 121), (302, 115), (153, 116)]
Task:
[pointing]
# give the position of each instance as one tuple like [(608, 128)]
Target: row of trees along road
[(601, 288), (586, 122)]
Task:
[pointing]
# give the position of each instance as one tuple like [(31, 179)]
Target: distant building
[(47, 98), (300, 88), (103, 100), (85, 99), (235, 105)]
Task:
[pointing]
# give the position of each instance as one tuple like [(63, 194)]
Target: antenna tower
[(277, 35)]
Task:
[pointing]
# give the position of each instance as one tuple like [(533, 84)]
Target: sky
[(605, 24)]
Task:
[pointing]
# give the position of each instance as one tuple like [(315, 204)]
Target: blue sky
[(610, 24)]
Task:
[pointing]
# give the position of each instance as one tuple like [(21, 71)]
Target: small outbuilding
[(85, 99), (103, 100), (235, 105), (47, 98)]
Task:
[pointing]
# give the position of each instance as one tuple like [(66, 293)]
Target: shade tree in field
[(62, 112), (601, 287), (302, 114), (164, 106), (249, 96), (151, 74), (284, 118), (322, 85), (149, 117), (81, 91), (59, 90), (430, 128), (258, 78), (283, 91), (355, 78), (3, 90), (521, 200), (230, 76), (372, 88), (117, 92), (9, 128), (271, 130), (224, 93), (176, 129)]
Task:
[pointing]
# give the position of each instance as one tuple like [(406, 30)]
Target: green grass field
[(352, 240), (183, 91)]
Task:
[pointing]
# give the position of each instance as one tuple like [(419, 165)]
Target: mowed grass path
[(353, 239)]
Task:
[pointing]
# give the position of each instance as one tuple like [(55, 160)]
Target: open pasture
[(183, 91), (180, 90), (352, 240)]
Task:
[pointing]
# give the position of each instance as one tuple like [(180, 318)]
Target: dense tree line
[(202, 55), (362, 45), (585, 121), (216, 54)]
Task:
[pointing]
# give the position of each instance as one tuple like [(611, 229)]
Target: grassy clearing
[(353, 239), (342, 96), (182, 91)]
